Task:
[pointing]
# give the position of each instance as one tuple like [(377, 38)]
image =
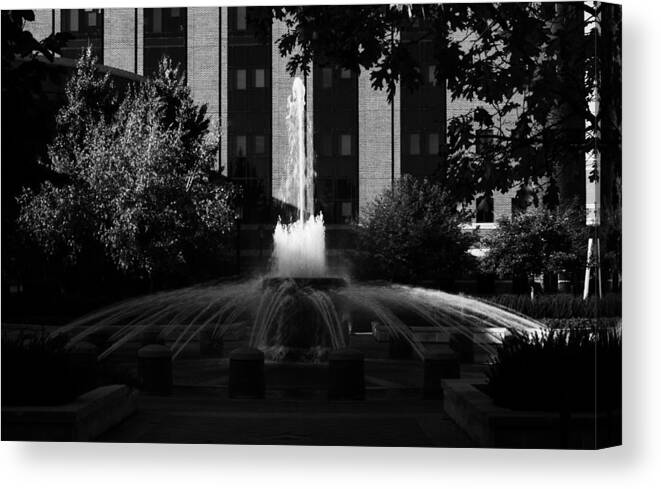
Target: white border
[(56, 465)]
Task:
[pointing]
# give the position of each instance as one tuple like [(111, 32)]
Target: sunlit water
[(299, 248), (280, 312), (264, 311)]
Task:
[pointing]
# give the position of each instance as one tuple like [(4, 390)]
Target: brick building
[(361, 142)]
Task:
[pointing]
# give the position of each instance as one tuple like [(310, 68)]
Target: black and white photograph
[(380, 225)]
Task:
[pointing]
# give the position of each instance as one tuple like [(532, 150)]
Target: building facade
[(361, 142)]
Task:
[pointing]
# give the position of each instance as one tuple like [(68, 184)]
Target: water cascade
[(297, 310), (299, 248)]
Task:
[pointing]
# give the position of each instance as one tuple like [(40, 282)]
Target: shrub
[(36, 371), (564, 306), (39, 370), (538, 241), (413, 232), (577, 370), (138, 195), (583, 323)]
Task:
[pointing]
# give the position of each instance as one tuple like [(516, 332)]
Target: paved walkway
[(205, 415), (296, 409)]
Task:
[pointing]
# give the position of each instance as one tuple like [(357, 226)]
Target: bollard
[(463, 345), (246, 374), (346, 374), (155, 369), (83, 366), (437, 366)]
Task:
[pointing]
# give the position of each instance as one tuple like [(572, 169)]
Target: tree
[(414, 232), (27, 118), (538, 241), (528, 68), (27, 122), (138, 197), (529, 63)]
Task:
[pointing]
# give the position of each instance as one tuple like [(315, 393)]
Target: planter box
[(489, 425), (83, 419)]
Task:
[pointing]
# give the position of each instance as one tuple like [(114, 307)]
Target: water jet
[(298, 310)]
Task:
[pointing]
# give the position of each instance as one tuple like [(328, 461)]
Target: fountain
[(298, 311)]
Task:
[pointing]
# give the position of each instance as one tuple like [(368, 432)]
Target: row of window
[(328, 74), (81, 20), (484, 209), (336, 145), (256, 144), (339, 144), (165, 21), (157, 20), (415, 141), (244, 79)]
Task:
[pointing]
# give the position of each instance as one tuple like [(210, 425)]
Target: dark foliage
[(39, 370), (583, 323), (412, 233), (36, 371), (561, 306), (28, 122), (538, 241), (562, 371), (27, 108)]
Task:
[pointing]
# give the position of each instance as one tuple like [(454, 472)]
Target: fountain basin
[(317, 283)]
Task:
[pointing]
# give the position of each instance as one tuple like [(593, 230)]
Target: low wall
[(493, 426), (83, 419)]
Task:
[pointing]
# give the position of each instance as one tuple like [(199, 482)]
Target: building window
[(484, 209), (345, 145), (240, 18), (259, 78), (240, 149), (326, 77), (260, 145), (414, 144), (91, 17), (347, 210), (74, 26), (174, 12), (157, 24), (432, 140), (345, 74), (431, 74), (240, 79)]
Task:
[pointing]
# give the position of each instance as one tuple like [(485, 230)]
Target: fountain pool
[(296, 310)]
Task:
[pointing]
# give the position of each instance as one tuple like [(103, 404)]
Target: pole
[(593, 159), (586, 282), (392, 127), (598, 265)]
